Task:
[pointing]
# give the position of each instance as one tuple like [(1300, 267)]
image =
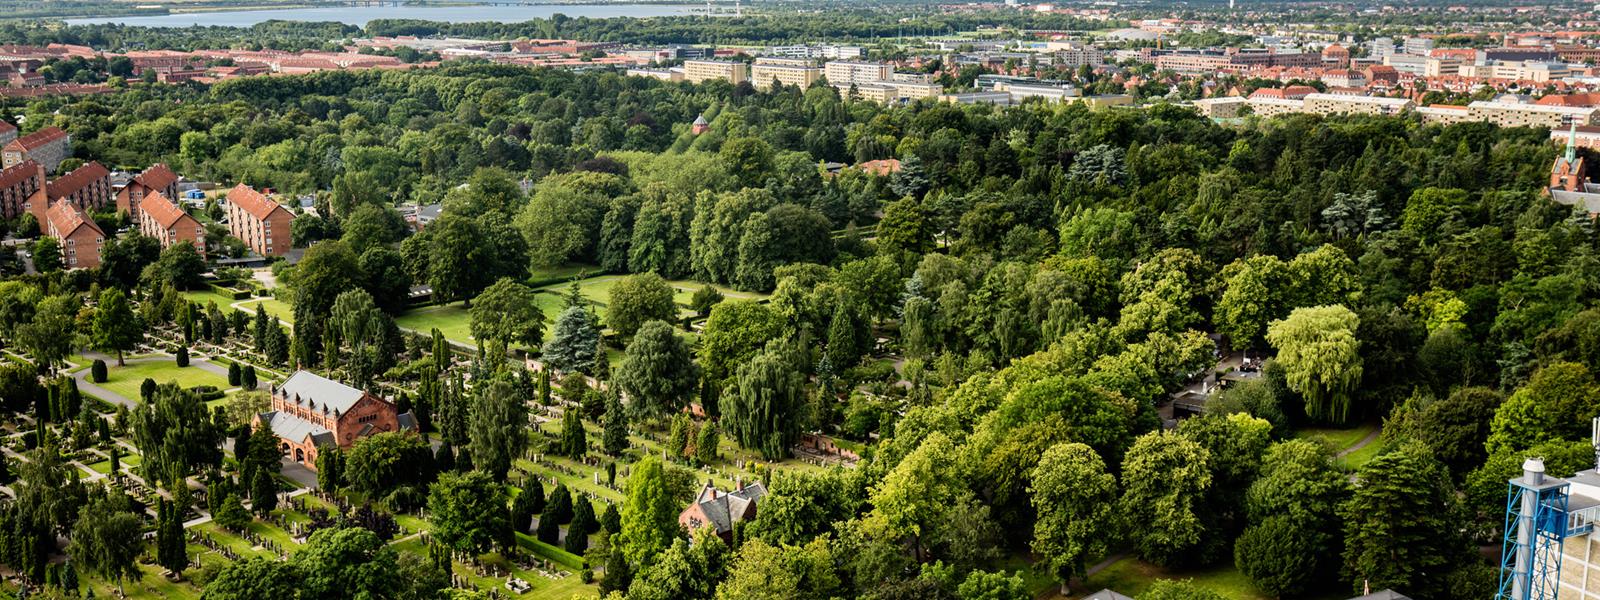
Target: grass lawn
[(684, 290), (1339, 438), (278, 536), (550, 303), (1132, 577), (1357, 458), (571, 586), (562, 272), (275, 307), (227, 538), (411, 524), (150, 585), (450, 319), (126, 380)]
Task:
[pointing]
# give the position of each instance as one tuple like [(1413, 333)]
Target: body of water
[(359, 15)]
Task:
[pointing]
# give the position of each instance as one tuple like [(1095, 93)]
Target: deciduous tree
[(1321, 356), (469, 511), (1076, 501)]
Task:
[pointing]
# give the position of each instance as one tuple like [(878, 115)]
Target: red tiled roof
[(157, 177), (880, 167), (38, 138), (79, 178), (66, 219), (253, 202), (19, 173), (161, 209), (7, 127)]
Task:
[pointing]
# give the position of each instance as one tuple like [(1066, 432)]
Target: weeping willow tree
[(766, 411), (1320, 355)]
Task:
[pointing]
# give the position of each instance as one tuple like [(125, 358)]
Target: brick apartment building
[(8, 132), (18, 184), (163, 220), (48, 147), (156, 179), (79, 236), (310, 412), (261, 223), (87, 187)]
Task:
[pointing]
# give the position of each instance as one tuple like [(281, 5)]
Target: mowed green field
[(450, 319), (275, 307), (126, 380), (597, 290)]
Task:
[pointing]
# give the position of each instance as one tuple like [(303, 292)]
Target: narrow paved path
[(1102, 565), (1366, 441)]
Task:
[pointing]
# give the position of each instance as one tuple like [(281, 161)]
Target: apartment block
[(263, 225), (18, 185), (87, 187), (847, 72), (8, 132), (1334, 104), (79, 236), (48, 147), (785, 71), (697, 71), (156, 179), (662, 74), (1444, 114), (1518, 71), (1517, 114), (889, 92), (167, 223)]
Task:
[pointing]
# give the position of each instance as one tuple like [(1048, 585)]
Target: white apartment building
[(846, 72), (1417, 45), (1516, 114), (675, 74), (1519, 71), (697, 71), (786, 71)]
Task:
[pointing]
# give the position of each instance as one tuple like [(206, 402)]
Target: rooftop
[(290, 427), (38, 138), (157, 177), (65, 219), (252, 201), (79, 178), (20, 172), (162, 210), (724, 509), (325, 392)]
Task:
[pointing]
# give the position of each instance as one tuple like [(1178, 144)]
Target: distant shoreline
[(453, 11)]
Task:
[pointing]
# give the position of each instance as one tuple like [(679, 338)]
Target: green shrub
[(97, 371), (183, 356)]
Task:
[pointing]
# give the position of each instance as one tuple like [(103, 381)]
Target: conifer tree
[(615, 438)]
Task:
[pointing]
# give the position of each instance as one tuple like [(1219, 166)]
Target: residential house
[(722, 510)]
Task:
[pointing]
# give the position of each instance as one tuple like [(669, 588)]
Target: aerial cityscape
[(776, 300)]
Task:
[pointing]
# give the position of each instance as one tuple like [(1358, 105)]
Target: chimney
[(738, 484)]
